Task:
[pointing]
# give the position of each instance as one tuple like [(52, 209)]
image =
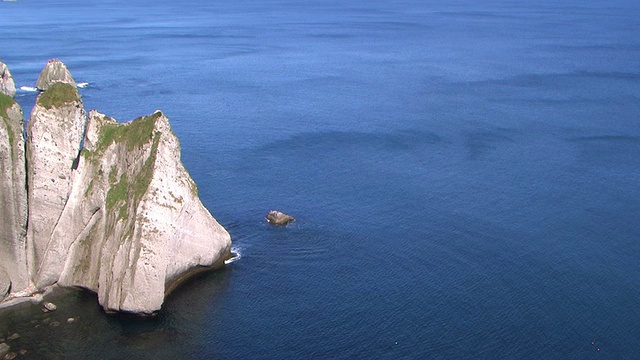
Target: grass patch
[(126, 191), (142, 181), (118, 194), (130, 191), (6, 102), (133, 134), (57, 95)]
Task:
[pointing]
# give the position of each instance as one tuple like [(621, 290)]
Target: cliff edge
[(110, 206)]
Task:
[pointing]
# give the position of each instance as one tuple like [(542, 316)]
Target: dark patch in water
[(608, 150), (615, 138), (333, 140), (480, 143)]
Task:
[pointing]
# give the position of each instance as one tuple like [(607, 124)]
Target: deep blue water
[(465, 174)]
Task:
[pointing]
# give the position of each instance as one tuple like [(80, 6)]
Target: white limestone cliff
[(13, 199), (55, 71), (54, 135), (120, 216), (142, 225), (7, 85)]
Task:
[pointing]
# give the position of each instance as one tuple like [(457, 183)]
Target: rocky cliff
[(54, 136), (13, 198), (55, 71), (7, 86), (110, 208)]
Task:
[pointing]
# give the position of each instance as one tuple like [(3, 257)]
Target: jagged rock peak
[(54, 72), (54, 136), (133, 224), (7, 85)]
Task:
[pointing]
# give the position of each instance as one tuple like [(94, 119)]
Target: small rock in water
[(11, 356), (54, 324), (71, 320), (4, 349), (50, 306), (278, 218), (22, 352), (46, 320), (14, 336)]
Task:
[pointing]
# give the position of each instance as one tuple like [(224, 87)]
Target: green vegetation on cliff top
[(6, 102), (126, 191), (57, 95), (133, 134)]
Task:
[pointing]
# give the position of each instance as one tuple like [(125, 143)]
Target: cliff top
[(6, 102), (54, 72), (57, 95)]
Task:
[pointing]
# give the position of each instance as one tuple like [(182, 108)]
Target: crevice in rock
[(76, 161)]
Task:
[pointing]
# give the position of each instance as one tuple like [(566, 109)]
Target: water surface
[(464, 175)]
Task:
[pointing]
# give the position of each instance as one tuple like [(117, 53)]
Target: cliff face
[(54, 134), (13, 199), (143, 224), (120, 216), (7, 86), (54, 72)]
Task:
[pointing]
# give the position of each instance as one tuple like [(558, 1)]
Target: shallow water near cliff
[(464, 175)]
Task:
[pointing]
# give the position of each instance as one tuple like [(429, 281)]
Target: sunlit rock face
[(54, 72), (7, 85), (13, 199), (111, 207)]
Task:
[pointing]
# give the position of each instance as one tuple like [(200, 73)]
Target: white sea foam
[(83, 84), (236, 256), (28, 88)]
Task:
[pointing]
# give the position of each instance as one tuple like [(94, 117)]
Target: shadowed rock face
[(54, 72), (7, 85), (120, 216)]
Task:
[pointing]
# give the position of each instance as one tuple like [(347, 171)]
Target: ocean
[(465, 175)]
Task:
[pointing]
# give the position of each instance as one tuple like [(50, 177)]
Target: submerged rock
[(54, 72), (7, 85), (278, 218), (4, 349), (50, 306), (5, 284)]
